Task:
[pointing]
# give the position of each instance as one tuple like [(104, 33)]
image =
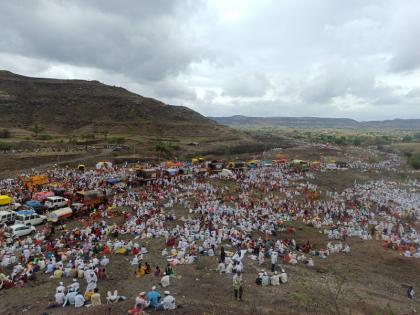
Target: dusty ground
[(373, 280)]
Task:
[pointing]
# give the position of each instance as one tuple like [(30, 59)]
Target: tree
[(105, 133), (407, 138), (37, 129), (357, 142), (166, 148)]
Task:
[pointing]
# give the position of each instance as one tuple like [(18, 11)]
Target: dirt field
[(372, 280)]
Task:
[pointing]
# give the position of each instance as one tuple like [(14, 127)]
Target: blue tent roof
[(113, 181), (26, 212), (33, 203)]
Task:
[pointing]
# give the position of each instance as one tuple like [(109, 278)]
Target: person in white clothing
[(165, 280), (79, 300), (283, 276), (275, 279), (168, 302), (60, 297)]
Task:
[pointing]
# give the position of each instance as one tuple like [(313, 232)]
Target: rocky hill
[(67, 106), (315, 122)]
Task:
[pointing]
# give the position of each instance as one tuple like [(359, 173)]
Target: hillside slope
[(315, 122), (86, 106)]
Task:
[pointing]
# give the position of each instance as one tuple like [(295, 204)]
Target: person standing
[(274, 256), (222, 254), (410, 293), (237, 286)]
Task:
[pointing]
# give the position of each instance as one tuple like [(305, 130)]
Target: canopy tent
[(113, 181), (103, 165), (33, 203), (41, 196), (25, 212), (5, 200)]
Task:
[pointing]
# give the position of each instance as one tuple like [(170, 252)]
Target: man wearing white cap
[(60, 297), (61, 288), (168, 302), (165, 280), (75, 285), (141, 302), (153, 297), (275, 279)]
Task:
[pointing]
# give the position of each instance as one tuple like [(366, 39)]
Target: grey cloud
[(291, 57), (247, 85), (174, 90), (147, 40)]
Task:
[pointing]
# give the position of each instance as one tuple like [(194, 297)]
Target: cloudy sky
[(330, 58)]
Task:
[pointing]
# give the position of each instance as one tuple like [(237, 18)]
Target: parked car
[(29, 217), (18, 230), (60, 214), (7, 217), (56, 202), (35, 205)]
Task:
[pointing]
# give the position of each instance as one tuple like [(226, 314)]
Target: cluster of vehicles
[(22, 218)]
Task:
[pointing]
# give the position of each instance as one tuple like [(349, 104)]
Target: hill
[(73, 106), (315, 122)]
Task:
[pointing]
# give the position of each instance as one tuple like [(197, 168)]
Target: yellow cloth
[(96, 299)]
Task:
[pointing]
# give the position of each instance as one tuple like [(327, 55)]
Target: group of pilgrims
[(248, 219)]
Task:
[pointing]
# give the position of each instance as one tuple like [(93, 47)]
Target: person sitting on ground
[(258, 281), (275, 279), (141, 302), (168, 302), (59, 297), (165, 280), (283, 276), (158, 272), (70, 296), (147, 268), (153, 297), (114, 298), (141, 271), (61, 288), (96, 298), (265, 280), (79, 300), (221, 267), (169, 271)]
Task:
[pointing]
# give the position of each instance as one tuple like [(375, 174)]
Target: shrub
[(407, 139), (415, 161), (116, 140), (5, 146), (44, 137)]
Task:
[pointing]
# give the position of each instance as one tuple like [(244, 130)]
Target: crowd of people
[(232, 220)]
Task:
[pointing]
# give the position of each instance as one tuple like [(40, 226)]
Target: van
[(56, 202), (29, 217), (7, 217), (18, 230), (60, 214)]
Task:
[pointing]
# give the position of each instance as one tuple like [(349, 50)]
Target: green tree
[(105, 133), (166, 148), (407, 138), (37, 129)]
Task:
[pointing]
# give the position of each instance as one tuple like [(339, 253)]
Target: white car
[(29, 217), (56, 202), (18, 230), (7, 217)]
